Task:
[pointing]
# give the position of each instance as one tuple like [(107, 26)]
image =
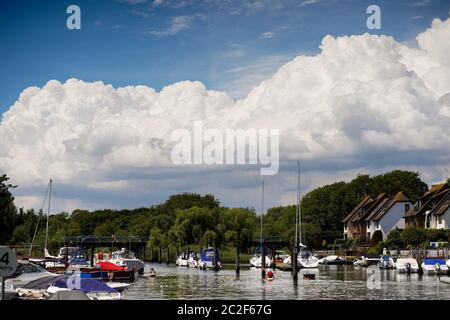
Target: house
[(360, 217), (388, 216), (379, 215), (352, 230), (439, 216), (421, 214)]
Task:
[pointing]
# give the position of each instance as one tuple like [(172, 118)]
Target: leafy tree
[(413, 237), (8, 211)]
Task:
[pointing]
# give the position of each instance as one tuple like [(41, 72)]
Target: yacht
[(255, 261), (407, 265), (306, 259), (206, 260), (367, 260), (127, 259), (25, 273), (434, 266), (182, 260), (333, 260), (386, 262), (192, 260)]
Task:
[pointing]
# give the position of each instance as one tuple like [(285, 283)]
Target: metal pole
[(48, 213), (3, 288), (263, 257)]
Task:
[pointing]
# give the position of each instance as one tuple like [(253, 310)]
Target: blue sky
[(86, 138), (228, 45)]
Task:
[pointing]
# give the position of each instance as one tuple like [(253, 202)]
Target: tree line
[(190, 219)]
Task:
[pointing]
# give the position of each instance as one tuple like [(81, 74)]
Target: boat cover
[(69, 295), (43, 283), (108, 266), (433, 262), (86, 285)]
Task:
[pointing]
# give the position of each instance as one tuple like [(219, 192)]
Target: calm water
[(332, 282)]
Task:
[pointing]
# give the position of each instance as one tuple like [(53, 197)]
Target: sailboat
[(48, 260), (305, 257)]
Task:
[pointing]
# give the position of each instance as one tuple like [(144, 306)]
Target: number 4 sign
[(8, 264)]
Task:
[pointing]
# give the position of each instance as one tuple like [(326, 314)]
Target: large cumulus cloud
[(363, 102)]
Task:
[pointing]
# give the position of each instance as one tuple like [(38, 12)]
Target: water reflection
[(331, 282)]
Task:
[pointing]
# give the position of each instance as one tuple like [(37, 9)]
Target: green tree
[(8, 211)]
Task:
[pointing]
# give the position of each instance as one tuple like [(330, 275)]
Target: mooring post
[(92, 255), (294, 263), (273, 258), (238, 262), (66, 260), (263, 260), (216, 267)]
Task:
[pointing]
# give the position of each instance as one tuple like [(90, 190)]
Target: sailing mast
[(298, 206), (261, 228), (48, 215), (39, 218)]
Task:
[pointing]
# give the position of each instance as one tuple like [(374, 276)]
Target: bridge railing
[(103, 239)]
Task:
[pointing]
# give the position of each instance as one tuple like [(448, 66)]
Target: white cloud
[(364, 103), (308, 2), (177, 24), (422, 3), (267, 35)]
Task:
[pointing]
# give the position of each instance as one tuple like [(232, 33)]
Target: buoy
[(269, 276)]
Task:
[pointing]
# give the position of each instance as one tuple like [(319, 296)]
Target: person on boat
[(100, 256)]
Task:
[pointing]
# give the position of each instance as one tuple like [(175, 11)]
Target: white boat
[(367, 261), (407, 265), (448, 263), (334, 260), (127, 259), (386, 262), (182, 260), (306, 260), (119, 286), (434, 266), (255, 261), (193, 260), (26, 272)]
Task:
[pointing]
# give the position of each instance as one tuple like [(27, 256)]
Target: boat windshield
[(26, 268)]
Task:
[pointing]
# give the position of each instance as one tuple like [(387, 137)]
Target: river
[(332, 282)]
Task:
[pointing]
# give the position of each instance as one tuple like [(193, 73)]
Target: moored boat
[(386, 262), (192, 260), (127, 259), (207, 259), (182, 260), (434, 266), (407, 265)]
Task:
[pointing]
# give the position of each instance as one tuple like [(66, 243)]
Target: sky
[(94, 108)]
